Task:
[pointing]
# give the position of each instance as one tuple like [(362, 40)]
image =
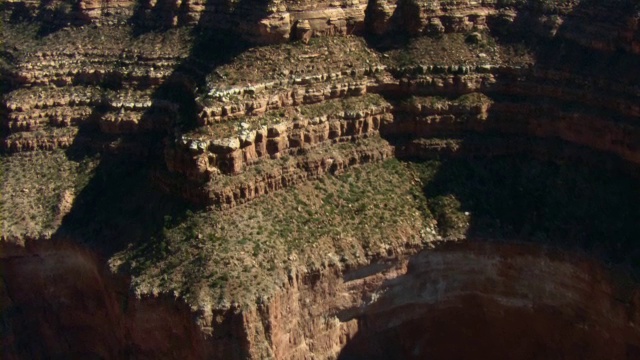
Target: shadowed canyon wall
[(518, 300)]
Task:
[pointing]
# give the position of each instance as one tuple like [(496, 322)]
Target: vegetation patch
[(454, 49), (247, 251), (348, 219), (292, 60), (38, 189)]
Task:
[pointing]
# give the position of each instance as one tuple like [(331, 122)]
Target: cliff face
[(276, 21), (179, 87), (543, 87), (490, 296)]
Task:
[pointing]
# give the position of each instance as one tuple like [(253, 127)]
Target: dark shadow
[(147, 18), (54, 16), (395, 32), (542, 190), (49, 15), (228, 16), (564, 204), (119, 206), (19, 12)]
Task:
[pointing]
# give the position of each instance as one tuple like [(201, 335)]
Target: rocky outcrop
[(274, 21), (85, 80), (232, 154), (60, 13), (288, 169), (95, 63), (516, 99)]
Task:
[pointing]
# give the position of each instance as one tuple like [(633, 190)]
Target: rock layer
[(63, 89), (404, 305)]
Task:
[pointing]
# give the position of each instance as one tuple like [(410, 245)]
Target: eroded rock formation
[(219, 123), (513, 299)]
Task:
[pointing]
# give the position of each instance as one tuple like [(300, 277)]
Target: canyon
[(247, 179)]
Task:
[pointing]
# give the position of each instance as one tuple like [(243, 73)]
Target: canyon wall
[(130, 87), (403, 306), (275, 21), (224, 123)]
